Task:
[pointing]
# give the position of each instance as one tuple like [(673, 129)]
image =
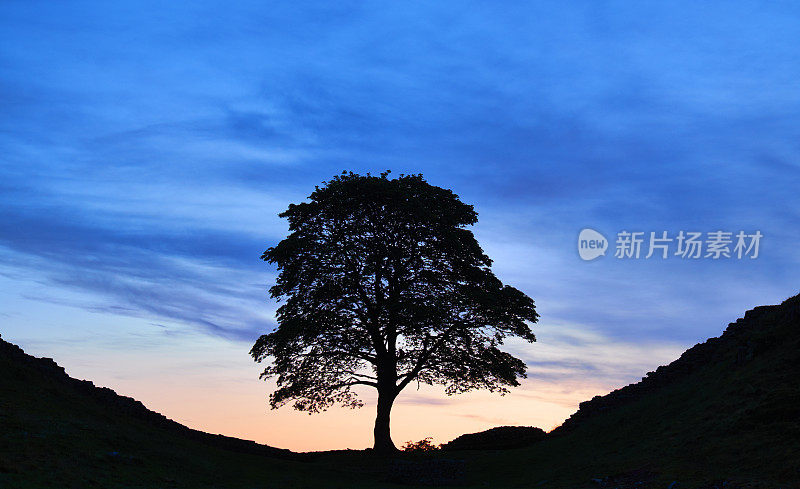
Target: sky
[(146, 149)]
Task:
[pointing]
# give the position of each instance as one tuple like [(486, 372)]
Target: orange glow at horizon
[(212, 385)]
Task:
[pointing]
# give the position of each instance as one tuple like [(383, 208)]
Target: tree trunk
[(383, 437)]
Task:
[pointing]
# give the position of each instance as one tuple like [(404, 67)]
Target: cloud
[(198, 277)]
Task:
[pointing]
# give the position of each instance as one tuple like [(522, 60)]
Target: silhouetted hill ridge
[(20, 363), (749, 336), (727, 410), (761, 329)]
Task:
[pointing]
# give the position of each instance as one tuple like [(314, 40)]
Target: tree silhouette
[(384, 286)]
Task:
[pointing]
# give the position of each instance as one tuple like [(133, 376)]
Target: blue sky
[(146, 149)]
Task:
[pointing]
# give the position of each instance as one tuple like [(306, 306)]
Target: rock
[(500, 438)]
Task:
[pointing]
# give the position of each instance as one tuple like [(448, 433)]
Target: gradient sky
[(147, 148)]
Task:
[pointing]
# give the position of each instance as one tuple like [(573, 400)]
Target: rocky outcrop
[(499, 438)]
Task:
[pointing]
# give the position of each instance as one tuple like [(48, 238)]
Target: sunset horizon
[(618, 181)]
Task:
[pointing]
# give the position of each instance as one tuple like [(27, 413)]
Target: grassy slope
[(56, 433), (728, 409)]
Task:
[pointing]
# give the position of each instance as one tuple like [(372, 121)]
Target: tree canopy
[(383, 285)]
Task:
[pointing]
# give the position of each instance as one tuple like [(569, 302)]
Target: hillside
[(56, 431), (728, 410), (725, 414)]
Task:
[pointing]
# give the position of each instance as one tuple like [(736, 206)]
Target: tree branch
[(408, 377), (351, 383), (356, 374)]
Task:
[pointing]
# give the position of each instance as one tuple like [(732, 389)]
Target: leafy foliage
[(383, 285)]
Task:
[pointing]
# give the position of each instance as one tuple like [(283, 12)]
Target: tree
[(384, 286)]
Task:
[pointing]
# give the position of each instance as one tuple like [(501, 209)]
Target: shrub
[(424, 445)]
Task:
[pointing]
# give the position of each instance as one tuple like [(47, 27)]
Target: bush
[(424, 445)]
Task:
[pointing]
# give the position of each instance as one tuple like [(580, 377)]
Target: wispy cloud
[(145, 157)]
